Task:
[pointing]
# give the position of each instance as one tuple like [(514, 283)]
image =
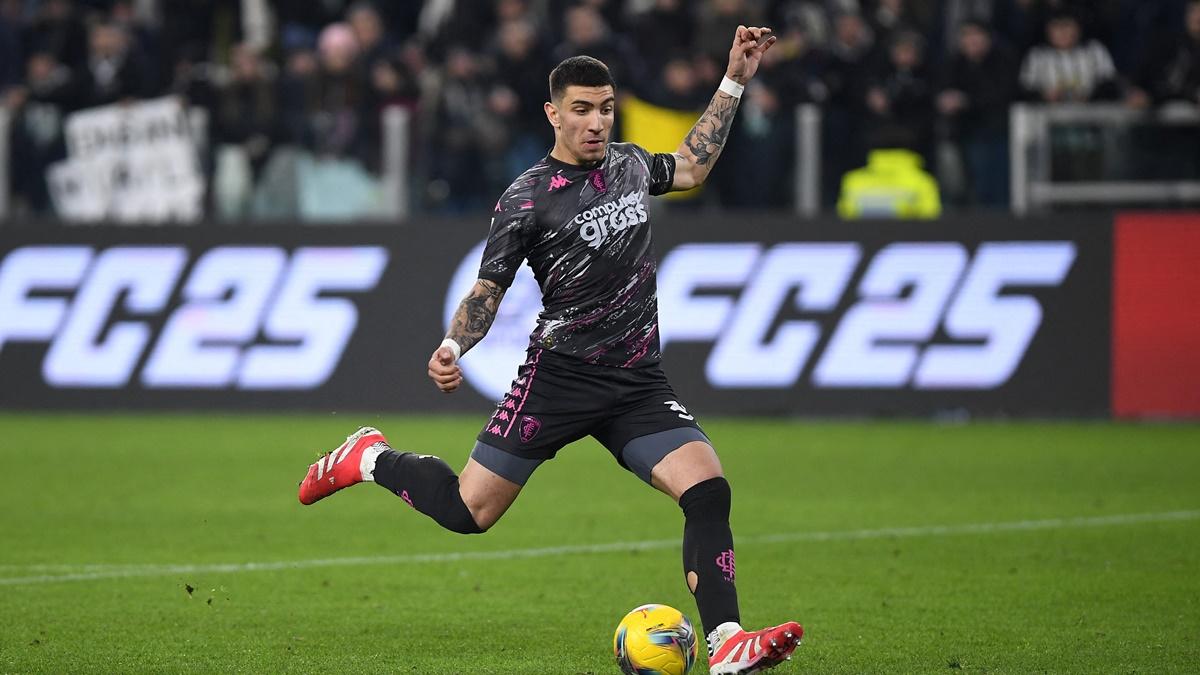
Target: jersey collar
[(565, 166)]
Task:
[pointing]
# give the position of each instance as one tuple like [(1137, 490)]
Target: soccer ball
[(655, 640)]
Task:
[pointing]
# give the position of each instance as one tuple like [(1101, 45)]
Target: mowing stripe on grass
[(93, 572)]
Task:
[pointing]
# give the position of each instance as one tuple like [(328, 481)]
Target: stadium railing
[(1061, 155), (396, 178), (1101, 155), (807, 174), (5, 158)]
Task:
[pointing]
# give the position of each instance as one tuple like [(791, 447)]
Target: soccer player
[(579, 217)]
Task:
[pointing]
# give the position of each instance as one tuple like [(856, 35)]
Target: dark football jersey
[(585, 234)]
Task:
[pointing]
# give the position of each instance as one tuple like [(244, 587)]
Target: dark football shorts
[(556, 400)]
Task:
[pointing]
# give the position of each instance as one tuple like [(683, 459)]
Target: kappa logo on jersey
[(248, 317), (600, 222), (557, 182)]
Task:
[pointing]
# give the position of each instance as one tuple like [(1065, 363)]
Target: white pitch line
[(95, 572)]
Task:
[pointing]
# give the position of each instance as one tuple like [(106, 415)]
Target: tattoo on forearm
[(708, 137), (475, 314)]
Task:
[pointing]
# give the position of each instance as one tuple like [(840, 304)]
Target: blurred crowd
[(315, 75)]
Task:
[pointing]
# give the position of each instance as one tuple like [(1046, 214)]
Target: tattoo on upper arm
[(708, 137), (475, 314)]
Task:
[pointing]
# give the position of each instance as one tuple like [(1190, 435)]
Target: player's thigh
[(486, 493), (684, 467)]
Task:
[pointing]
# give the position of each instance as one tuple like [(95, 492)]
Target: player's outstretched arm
[(699, 151), (471, 322)]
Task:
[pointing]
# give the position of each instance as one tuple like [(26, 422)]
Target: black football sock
[(708, 551), (429, 485)]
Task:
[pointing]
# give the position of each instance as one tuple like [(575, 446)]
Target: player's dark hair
[(582, 71)]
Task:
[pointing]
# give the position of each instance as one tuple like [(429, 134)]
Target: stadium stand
[(294, 92)]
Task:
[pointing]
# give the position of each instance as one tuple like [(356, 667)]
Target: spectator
[(301, 21), (1172, 72), (245, 125), (390, 84), (1067, 70), (610, 12), (999, 15), (298, 93), (1169, 75), (586, 32), (58, 29), (806, 16), (323, 95), (247, 112), (892, 16), (892, 185), (373, 40), (143, 44), (447, 24), (763, 148), (513, 10), (195, 79), (679, 86), (661, 31), (794, 69), (467, 136), (720, 18), (980, 84), (521, 70), (899, 98), (113, 72), (1026, 20), (849, 51), (38, 111)]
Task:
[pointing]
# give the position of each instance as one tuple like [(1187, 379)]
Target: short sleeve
[(661, 166), (662, 172), (506, 243)]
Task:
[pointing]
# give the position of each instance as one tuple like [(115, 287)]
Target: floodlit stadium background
[(935, 306)]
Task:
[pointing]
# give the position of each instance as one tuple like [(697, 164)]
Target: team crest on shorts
[(530, 426)]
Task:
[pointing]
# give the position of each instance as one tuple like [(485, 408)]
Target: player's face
[(585, 119)]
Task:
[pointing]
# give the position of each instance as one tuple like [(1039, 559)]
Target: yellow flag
[(657, 129)]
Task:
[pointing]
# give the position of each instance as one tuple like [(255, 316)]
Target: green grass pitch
[(174, 543)]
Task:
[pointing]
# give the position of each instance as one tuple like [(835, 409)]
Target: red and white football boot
[(733, 651), (343, 466)]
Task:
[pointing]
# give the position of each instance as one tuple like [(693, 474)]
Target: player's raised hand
[(443, 370), (749, 45)]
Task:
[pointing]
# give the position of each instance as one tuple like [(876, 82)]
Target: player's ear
[(552, 114)]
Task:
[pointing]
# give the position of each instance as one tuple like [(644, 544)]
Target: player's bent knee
[(483, 514), (685, 467), (486, 492)]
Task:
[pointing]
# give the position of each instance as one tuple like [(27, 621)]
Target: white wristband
[(732, 88), (453, 347)]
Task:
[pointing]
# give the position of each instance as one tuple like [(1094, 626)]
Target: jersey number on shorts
[(677, 407)]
